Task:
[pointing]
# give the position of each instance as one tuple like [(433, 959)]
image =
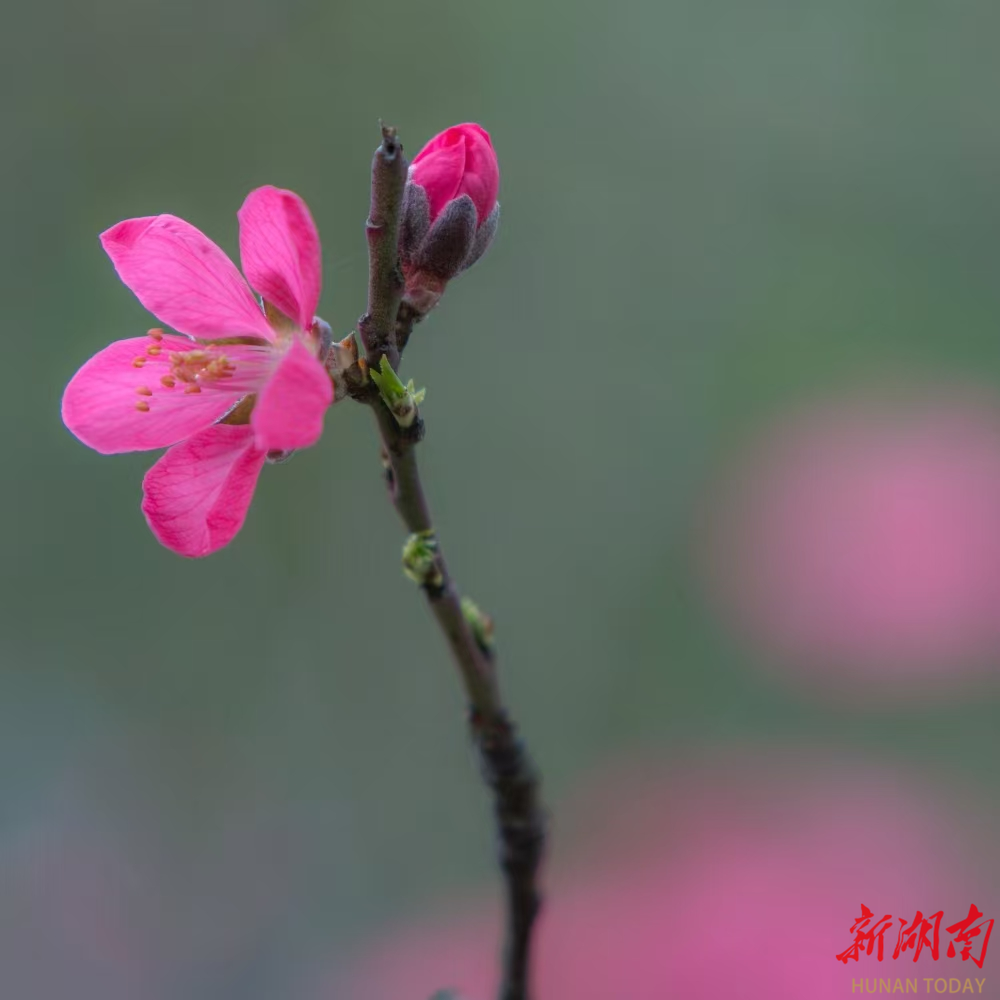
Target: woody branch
[(506, 766)]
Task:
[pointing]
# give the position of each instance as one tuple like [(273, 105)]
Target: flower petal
[(290, 408), (196, 496), (183, 278), (438, 169), (118, 402), (280, 250), (481, 180), (460, 160)]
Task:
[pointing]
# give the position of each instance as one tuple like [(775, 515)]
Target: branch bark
[(385, 278), (504, 760)]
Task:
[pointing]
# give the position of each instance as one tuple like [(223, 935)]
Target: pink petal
[(290, 408), (183, 278), (438, 169), (196, 496), (482, 172), (460, 160), (280, 250), (103, 407)]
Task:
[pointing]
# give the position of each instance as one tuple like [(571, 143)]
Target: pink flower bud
[(458, 161), (450, 211)]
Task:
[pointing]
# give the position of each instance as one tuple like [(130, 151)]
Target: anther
[(156, 333), (199, 365), (194, 387), (168, 381), (142, 406), (144, 390), (139, 361), (154, 350)]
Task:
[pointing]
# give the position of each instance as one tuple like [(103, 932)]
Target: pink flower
[(175, 389), (450, 211)]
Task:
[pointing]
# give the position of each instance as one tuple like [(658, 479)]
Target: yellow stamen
[(200, 365), (142, 406), (144, 390)]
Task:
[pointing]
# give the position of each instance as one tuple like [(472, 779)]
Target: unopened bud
[(420, 559), (480, 623), (450, 211)]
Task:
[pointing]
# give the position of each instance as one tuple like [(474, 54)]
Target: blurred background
[(727, 478)]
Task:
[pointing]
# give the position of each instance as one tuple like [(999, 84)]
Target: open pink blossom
[(234, 383)]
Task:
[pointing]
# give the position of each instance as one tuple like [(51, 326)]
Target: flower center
[(200, 366), (235, 366)]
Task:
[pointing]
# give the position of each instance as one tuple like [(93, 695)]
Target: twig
[(506, 766), (385, 279), (406, 319)]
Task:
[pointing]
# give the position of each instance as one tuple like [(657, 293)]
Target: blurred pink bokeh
[(721, 881), (863, 539)]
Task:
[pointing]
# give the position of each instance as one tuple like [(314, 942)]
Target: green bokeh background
[(711, 212)]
